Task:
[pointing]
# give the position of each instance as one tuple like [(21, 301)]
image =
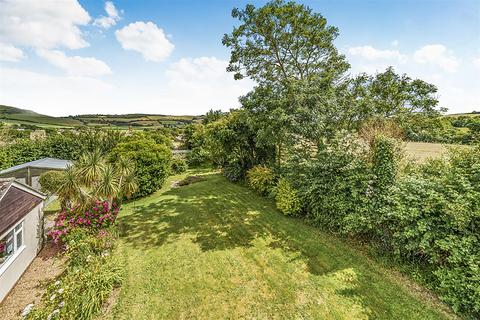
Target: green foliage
[(282, 41), (384, 160), (50, 181), (212, 116), (336, 186), (179, 165), (92, 273), (435, 219), (447, 129), (233, 145), (287, 199), (261, 179), (152, 162)]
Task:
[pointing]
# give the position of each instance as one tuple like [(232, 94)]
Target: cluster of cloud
[(189, 85), (75, 65), (43, 25), (110, 19), (434, 63), (370, 53), (434, 54), (147, 39)]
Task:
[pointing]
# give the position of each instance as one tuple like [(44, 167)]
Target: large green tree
[(282, 42)]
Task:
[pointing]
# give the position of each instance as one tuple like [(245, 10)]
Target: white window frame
[(16, 251)]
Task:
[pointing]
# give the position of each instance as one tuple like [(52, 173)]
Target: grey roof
[(4, 185), (45, 163)]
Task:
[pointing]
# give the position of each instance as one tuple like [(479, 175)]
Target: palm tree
[(91, 178), (125, 168), (107, 187), (70, 191), (90, 167)]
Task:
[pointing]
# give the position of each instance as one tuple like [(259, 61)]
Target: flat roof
[(45, 163)]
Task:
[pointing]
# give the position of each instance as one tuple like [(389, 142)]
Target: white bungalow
[(21, 231)]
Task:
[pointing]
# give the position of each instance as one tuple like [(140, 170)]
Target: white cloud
[(371, 53), (190, 86), (437, 55), (75, 65), (10, 53), (459, 92), (476, 62), (394, 43), (111, 19), (43, 24), (195, 85), (146, 38), (51, 94)]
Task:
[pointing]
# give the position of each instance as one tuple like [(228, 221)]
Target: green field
[(216, 250), (421, 151), (18, 116)]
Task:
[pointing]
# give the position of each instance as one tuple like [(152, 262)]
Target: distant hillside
[(22, 116), (26, 117)]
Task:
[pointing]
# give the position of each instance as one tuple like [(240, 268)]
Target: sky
[(69, 57)]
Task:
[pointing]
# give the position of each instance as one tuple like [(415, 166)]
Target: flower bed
[(92, 273)]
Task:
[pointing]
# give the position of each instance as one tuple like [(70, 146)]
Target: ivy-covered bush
[(261, 179), (337, 185), (287, 199)]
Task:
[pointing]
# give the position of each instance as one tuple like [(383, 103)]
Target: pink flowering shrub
[(102, 215)]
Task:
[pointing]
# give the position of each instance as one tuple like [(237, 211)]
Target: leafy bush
[(50, 181), (197, 156), (99, 216), (152, 162), (435, 220), (179, 165), (287, 199), (261, 179), (234, 171), (337, 185)]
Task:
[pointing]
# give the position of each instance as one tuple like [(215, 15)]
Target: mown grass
[(421, 151), (216, 250)]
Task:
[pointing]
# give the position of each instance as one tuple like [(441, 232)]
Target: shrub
[(50, 181), (261, 179), (99, 216), (435, 221), (287, 199), (152, 162), (337, 185), (234, 171), (197, 156), (179, 165)]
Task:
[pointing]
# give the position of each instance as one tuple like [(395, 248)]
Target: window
[(11, 243)]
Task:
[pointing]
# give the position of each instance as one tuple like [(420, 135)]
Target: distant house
[(21, 230), (29, 173)]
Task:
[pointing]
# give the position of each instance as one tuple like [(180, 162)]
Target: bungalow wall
[(15, 266)]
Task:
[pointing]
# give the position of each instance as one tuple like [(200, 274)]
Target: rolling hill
[(26, 117)]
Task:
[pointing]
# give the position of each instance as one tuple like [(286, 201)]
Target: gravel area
[(31, 286)]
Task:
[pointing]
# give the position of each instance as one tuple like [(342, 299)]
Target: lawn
[(216, 250), (421, 151)]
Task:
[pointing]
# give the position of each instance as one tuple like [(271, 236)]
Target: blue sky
[(63, 57)]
